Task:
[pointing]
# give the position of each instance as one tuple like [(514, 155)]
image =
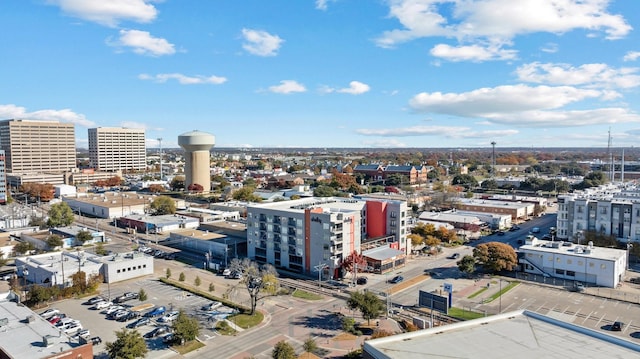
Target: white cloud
[(183, 79), (591, 75), (632, 56), (109, 12), (472, 53), (440, 131), (579, 118), (143, 43), (385, 143), (550, 48), (64, 115), (486, 102), (132, 124), (261, 43), (321, 5), (355, 88), (498, 20), (287, 87)]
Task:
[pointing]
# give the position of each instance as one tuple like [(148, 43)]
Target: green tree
[(39, 222), (38, 294), (84, 236), (54, 241), (168, 273), (283, 350), (467, 181), (367, 303), (142, 295), (181, 277), (348, 324), (212, 287), (129, 344), (260, 281), (495, 256), (177, 183), (246, 194), (185, 328), (23, 247), (197, 281), (60, 215), (79, 282), (310, 345), (100, 250), (467, 265), (162, 205), (324, 191)]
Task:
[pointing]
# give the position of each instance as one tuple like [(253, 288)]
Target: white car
[(111, 309), (102, 305), (169, 317), (49, 313), (73, 329), (211, 306), (65, 322)]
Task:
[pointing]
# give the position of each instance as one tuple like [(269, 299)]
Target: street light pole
[(500, 293)]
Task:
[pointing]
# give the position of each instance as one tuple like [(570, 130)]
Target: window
[(590, 265), (571, 273), (603, 266), (118, 271), (569, 261), (560, 271)]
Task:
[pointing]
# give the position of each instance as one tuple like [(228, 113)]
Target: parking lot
[(159, 294)]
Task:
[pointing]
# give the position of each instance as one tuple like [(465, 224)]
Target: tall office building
[(3, 179), (116, 148), (32, 146)]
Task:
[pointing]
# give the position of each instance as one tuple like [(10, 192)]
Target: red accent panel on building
[(352, 240), (376, 219), (307, 236)]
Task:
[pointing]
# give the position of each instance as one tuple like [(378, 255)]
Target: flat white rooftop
[(570, 249), (518, 334)]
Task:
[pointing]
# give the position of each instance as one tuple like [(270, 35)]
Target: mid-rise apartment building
[(609, 209), (315, 234), (32, 146), (115, 148)]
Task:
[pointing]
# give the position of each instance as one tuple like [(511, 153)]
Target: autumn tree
[(354, 262), (162, 205), (43, 191), (495, 256), (195, 188), (60, 215), (260, 280), (156, 188), (416, 239)]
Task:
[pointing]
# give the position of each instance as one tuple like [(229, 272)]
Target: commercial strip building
[(116, 148), (25, 334), (57, 268), (518, 334), (517, 210), (312, 234), (582, 263), (158, 224), (112, 204), (612, 209)]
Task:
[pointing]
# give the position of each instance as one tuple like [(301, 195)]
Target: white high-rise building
[(32, 146), (117, 148)]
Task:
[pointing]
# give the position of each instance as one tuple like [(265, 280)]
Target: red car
[(56, 318)]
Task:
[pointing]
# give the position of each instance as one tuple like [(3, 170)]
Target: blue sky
[(329, 73)]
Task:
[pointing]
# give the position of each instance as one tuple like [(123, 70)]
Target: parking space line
[(599, 320), (587, 317)]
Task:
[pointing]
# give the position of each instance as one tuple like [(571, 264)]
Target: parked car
[(211, 306), (138, 323), (73, 328), (84, 333), (126, 297), (111, 309), (169, 317), (167, 338), (514, 228), (617, 326), (157, 331), (635, 280), (96, 340), (101, 305), (396, 279), (128, 316), (362, 280), (95, 300), (117, 314), (577, 287), (49, 313), (121, 315), (454, 256), (156, 312)]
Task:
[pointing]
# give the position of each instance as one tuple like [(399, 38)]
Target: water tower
[(197, 145)]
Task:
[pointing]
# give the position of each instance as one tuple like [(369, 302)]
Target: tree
[(23, 247), (467, 265), (367, 303), (60, 215), (246, 194), (54, 241), (310, 345), (324, 191), (260, 281), (100, 250), (177, 183), (84, 236), (465, 180), (79, 282), (168, 273), (495, 256), (181, 277), (353, 262), (162, 205), (416, 239), (185, 328), (156, 188), (142, 295), (43, 191), (129, 344), (283, 350), (39, 222), (197, 281), (195, 188), (212, 287)]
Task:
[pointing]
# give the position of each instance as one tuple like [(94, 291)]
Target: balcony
[(292, 242), (292, 222), (277, 228), (262, 218), (277, 238), (292, 232), (277, 219), (262, 227)]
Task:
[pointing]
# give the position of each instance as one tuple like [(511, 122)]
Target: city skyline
[(329, 73)]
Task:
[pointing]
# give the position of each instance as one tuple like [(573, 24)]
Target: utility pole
[(320, 267), (160, 144)]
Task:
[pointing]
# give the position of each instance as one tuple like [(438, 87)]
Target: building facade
[(583, 263), (38, 146), (316, 234), (3, 179), (610, 210), (115, 148)]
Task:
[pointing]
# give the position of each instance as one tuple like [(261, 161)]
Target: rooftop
[(518, 334), (568, 248)]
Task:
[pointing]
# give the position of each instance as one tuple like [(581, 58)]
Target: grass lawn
[(477, 293), (502, 291), (306, 295), (246, 321), (224, 329), (464, 314), (188, 346)]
